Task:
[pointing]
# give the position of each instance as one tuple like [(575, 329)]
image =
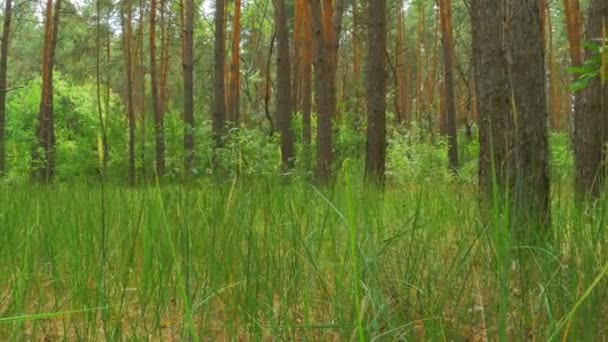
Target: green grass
[(270, 258)]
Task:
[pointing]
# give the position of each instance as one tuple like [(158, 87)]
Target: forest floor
[(272, 260)]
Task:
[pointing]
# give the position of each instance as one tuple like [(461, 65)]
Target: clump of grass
[(270, 258)]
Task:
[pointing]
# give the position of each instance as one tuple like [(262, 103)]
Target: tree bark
[(219, 91), (128, 56), (327, 24), (43, 155), (8, 10), (234, 100), (156, 103), (188, 79), (493, 100), (445, 14), (590, 131), (284, 109), (306, 76), (376, 93), (527, 74)]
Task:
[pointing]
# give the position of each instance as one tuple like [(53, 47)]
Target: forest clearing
[(303, 170)]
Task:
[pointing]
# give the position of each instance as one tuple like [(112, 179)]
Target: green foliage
[(249, 152), (411, 157), (77, 130), (591, 69)]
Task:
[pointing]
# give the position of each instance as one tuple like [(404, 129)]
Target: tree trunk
[(306, 75), (590, 131), (527, 74), (44, 165), (219, 91), (156, 103), (234, 100), (284, 111), (8, 10), (188, 47), (493, 100), (128, 56), (327, 24), (445, 14), (376, 92)]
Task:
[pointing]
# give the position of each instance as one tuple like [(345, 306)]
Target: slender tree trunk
[(234, 108), (8, 10), (376, 92), (219, 91), (296, 79), (156, 103), (284, 110), (44, 165), (401, 91), (573, 14), (419, 66), (306, 75), (102, 122), (165, 38), (590, 131), (445, 14), (128, 56), (356, 79), (527, 74), (188, 57), (324, 137)]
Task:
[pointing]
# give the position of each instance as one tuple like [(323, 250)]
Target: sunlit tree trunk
[(8, 11), (43, 156), (376, 92)]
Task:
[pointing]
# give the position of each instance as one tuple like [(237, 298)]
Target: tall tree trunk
[(234, 101), (219, 91), (188, 58), (401, 91), (376, 92), (165, 38), (527, 74), (419, 61), (296, 80), (590, 131), (493, 100), (327, 24), (573, 14), (44, 165), (306, 75), (127, 27), (357, 48), (156, 103), (284, 111), (445, 14), (8, 11)]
